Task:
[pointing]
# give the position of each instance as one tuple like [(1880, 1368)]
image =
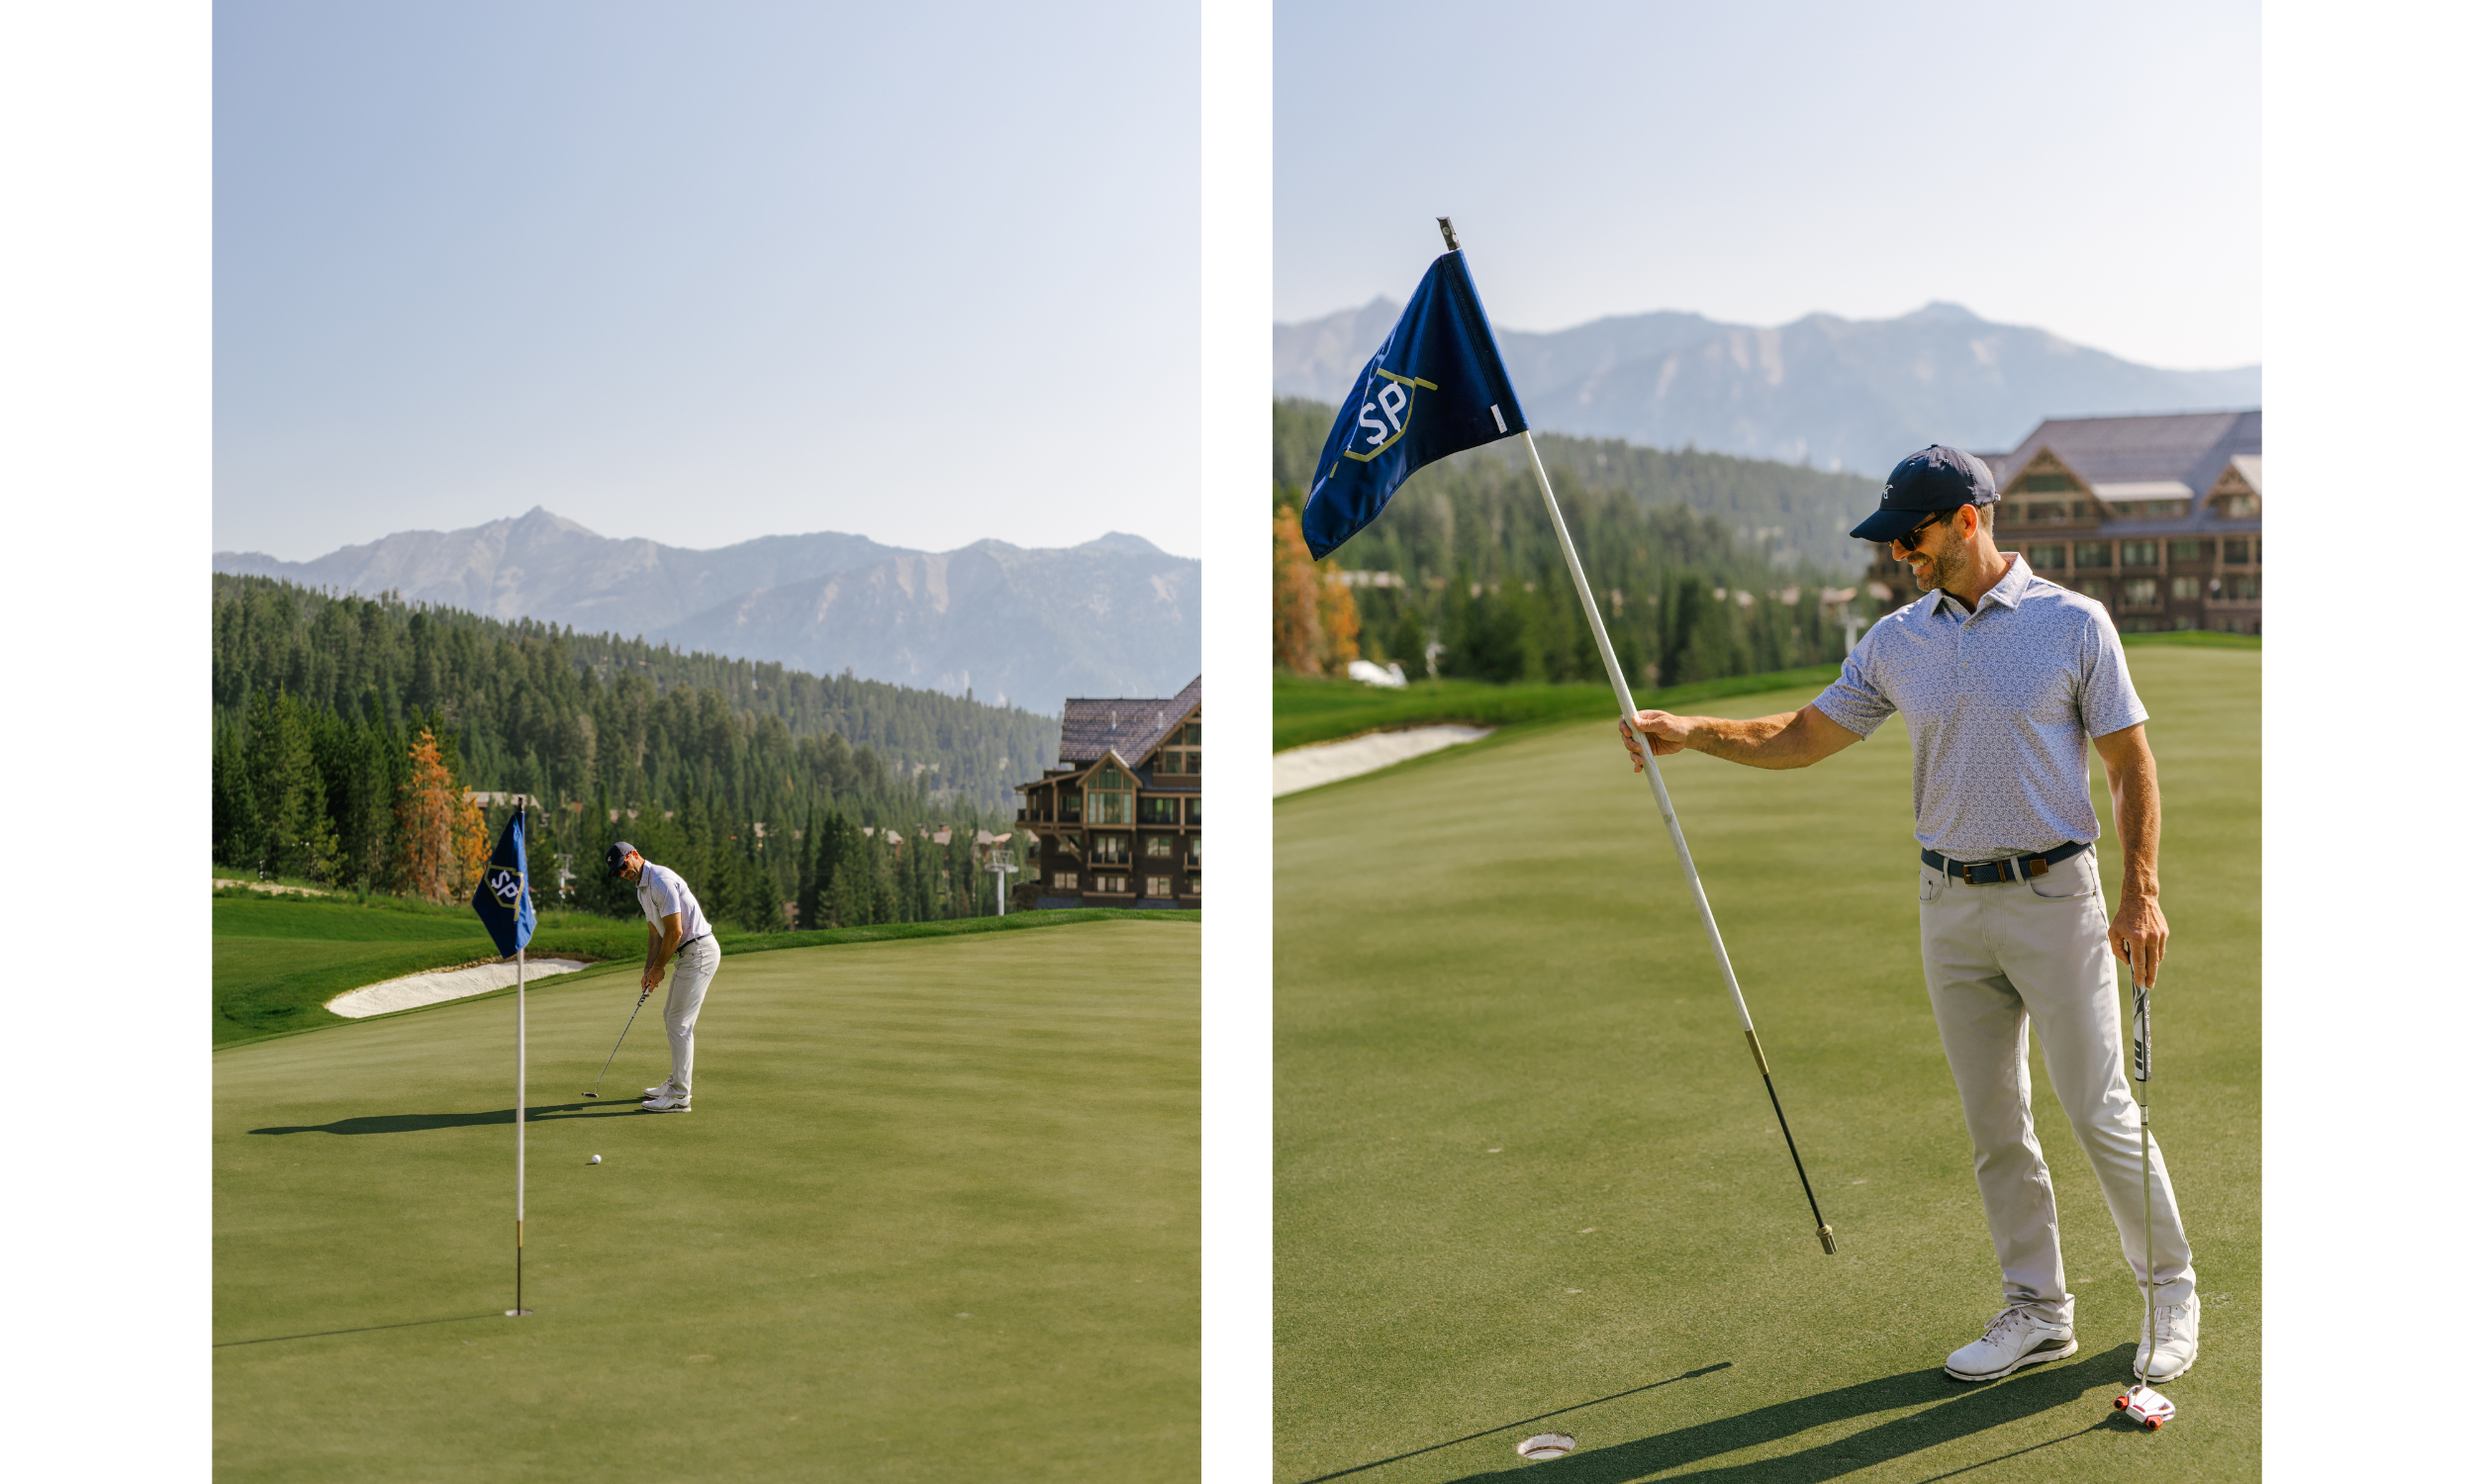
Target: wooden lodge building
[(2156, 516), (1119, 822)]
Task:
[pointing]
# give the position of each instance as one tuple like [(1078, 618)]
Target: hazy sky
[(702, 273), (2092, 169)]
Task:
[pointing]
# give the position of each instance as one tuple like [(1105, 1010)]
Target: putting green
[(935, 1216), (1525, 1163)]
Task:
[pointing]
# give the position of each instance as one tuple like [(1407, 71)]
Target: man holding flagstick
[(1436, 387)]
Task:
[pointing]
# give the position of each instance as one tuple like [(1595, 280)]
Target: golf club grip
[(2139, 1031)]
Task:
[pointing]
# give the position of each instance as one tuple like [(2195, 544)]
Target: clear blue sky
[(2092, 169), (706, 272)]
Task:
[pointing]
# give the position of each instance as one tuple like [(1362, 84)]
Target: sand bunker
[(443, 984), (1328, 762)]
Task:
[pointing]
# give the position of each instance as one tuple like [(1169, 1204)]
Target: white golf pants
[(1997, 959), (690, 973)]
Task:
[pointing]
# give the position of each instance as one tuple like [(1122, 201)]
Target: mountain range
[(1839, 393), (1028, 626)]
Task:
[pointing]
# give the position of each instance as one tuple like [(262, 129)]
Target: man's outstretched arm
[(2139, 929), (1790, 739)]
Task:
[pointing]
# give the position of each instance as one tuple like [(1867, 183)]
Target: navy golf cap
[(1937, 479), (617, 860)]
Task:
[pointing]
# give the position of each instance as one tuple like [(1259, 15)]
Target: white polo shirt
[(2000, 704), (660, 891)]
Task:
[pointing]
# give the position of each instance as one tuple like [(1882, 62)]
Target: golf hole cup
[(1547, 1446)]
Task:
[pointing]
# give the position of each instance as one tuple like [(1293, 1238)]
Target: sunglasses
[(1909, 540)]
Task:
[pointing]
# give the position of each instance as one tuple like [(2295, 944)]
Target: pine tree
[(235, 822), (810, 849)]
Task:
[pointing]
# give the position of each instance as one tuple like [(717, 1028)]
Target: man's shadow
[(1961, 1412), (411, 1123)]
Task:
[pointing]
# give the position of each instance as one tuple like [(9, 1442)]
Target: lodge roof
[(2188, 448), (1129, 727)]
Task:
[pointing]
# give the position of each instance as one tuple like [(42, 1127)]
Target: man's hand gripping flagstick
[(1436, 387)]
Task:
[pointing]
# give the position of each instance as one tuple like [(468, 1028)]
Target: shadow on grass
[(408, 1324), (1976, 1409), (1524, 1422), (413, 1123)]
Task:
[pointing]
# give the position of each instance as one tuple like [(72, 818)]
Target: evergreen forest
[(349, 734), (1461, 576)]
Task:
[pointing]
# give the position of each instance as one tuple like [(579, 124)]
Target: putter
[(621, 1040), (2147, 1407)]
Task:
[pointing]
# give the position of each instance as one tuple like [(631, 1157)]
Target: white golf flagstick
[(1674, 827), (522, 886)]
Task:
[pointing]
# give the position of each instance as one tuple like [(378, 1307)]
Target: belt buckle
[(1995, 873)]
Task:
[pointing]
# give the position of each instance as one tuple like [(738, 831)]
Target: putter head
[(2147, 1406), (592, 1094)]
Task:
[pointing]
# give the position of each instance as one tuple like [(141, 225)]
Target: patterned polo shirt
[(2000, 704)]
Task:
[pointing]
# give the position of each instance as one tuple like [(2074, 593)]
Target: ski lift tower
[(1000, 863)]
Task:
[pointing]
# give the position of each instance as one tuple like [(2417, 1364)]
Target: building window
[(2138, 554), (2237, 553), (1110, 849), (1193, 852), (1158, 809), (1194, 811), (1111, 796), (1108, 882), (1067, 845), (2092, 554), (1157, 886), (1070, 806), (1181, 752), (2049, 511), (1193, 884), (2140, 592), (1159, 847), (2243, 588), (2188, 551), (1065, 881), (2238, 506), (2185, 588), (2044, 484), (2048, 558)]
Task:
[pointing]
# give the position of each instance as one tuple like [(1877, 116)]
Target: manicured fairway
[(935, 1216), (1525, 1163)]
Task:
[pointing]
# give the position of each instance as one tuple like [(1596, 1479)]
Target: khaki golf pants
[(1997, 959), (690, 973)]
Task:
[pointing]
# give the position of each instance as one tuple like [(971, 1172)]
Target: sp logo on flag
[(1395, 398), (503, 884)]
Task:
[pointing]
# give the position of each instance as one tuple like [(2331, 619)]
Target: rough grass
[(936, 1217), (1524, 1162), (278, 960)]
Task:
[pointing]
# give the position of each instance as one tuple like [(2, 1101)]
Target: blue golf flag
[(1436, 387), (502, 899)]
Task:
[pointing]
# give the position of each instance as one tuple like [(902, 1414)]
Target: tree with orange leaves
[(1314, 616), (444, 840)]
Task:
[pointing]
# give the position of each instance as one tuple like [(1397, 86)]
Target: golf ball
[(596, 1159)]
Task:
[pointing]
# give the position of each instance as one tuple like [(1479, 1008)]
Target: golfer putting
[(2005, 679), (674, 932)]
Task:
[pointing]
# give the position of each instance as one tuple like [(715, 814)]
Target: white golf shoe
[(2177, 1342), (672, 1100), (662, 1089), (2015, 1338)]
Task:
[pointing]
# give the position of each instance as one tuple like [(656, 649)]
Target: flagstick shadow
[(1977, 1409), (409, 1324), (413, 1122), (1524, 1422)]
